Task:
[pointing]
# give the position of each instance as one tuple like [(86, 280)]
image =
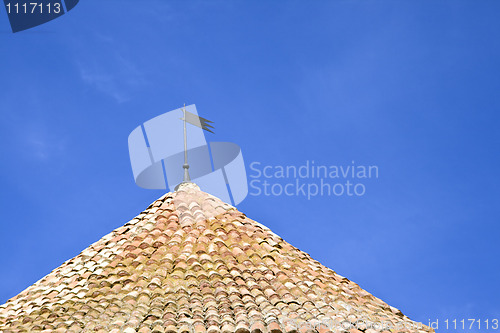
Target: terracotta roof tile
[(191, 263)]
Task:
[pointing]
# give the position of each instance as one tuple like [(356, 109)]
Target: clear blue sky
[(409, 86)]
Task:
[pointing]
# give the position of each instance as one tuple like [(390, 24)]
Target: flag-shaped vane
[(197, 121)]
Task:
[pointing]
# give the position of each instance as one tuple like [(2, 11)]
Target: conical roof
[(191, 263)]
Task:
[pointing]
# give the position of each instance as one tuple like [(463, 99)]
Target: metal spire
[(187, 179), (197, 121)]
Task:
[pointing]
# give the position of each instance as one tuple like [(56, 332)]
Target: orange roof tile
[(191, 263)]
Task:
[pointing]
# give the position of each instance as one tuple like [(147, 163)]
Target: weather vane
[(198, 122), (156, 156)]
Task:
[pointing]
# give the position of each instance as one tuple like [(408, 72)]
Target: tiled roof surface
[(191, 263)]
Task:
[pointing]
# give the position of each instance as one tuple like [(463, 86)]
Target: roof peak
[(187, 186)]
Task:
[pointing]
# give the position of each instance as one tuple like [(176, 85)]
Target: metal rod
[(186, 165)]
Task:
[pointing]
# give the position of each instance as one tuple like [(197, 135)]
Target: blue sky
[(408, 86)]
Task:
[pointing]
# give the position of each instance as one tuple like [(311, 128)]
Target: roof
[(191, 263)]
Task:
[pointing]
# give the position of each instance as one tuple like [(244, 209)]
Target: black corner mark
[(26, 14)]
